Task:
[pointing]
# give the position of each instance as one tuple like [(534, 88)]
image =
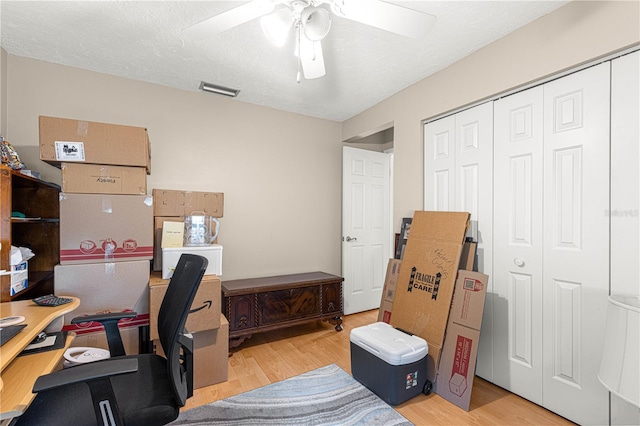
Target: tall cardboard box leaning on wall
[(458, 360), (427, 278)]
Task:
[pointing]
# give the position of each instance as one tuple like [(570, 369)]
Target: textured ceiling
[(143, 40)]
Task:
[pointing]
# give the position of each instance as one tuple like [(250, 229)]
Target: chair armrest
[(110, 323), (111, 316), (86, 372)]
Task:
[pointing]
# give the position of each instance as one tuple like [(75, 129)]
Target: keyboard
[(6, 333)]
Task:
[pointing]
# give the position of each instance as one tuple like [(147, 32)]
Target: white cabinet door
[(576, 243), (517, 242)]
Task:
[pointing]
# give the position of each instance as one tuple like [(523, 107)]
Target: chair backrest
[(173, 315)]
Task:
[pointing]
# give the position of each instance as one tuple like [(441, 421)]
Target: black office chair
[(144, 389)]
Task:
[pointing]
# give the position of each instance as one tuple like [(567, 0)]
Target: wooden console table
[(256, 305)]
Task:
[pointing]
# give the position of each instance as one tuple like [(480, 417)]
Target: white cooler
[(171, 255), (391, 363)]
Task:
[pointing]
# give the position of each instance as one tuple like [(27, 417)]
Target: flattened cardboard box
[(427, 277), (103, 179), (205, 309), (98, 228), (458, 359), (67, 140), (168, 202), (389, 290), (467, 259)]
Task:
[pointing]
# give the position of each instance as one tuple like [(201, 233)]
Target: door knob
[(519, 262), (349, 239)]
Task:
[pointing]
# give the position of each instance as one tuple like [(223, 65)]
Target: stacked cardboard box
[(433, 294), (173, 205), (106, 242), (210, 329)]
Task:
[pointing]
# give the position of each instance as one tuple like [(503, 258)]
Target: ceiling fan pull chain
[(299, 52)]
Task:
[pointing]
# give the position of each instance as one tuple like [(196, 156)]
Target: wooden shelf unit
[(39, 230)]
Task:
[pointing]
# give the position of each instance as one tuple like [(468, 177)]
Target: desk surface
[(18, 375)]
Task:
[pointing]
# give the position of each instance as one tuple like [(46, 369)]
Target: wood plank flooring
[(273, 356)]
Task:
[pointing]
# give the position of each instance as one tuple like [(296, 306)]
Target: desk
[(17, 375)]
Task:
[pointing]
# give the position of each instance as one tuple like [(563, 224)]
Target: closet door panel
[(576, 243), (439, 164), (517, 281), (474, 194)]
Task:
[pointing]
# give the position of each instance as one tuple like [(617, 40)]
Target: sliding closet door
[(458, 176), (517, 280), (576, 243), (439, 164)]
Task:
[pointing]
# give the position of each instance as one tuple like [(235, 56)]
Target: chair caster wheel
[(427, 388)]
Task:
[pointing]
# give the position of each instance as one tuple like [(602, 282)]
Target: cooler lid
[(392, 346)]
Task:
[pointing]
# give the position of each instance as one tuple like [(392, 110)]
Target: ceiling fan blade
[(229, 19), (311, 58), (386, 16)]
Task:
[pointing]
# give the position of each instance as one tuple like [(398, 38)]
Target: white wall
[(280, 172)]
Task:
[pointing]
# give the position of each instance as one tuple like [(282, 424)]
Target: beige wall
[(575, 34), (3, 91), (280, 172)]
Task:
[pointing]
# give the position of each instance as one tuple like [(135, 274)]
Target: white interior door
[(366, 227), (576, 243), (517, 280)]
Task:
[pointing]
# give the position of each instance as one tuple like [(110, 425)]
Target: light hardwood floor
[(273, 356)]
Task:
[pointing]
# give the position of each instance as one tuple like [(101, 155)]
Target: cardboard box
[(19, 277), (103, 179), (458, 359), (205, 309), (104, 287), (167, 202), (98, 339), (105, 228), (210, 355), (389, 290), (67, 140), (171, 256), (427, 277)]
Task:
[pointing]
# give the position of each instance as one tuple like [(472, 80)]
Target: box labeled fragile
[(390, 363), (171, 255), (427, 278), (19, 277)]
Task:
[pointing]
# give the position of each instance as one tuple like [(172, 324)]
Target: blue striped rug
[(326, 396)]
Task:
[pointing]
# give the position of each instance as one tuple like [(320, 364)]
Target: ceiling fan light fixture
[(218, 90), (316, 23), (276, 26)]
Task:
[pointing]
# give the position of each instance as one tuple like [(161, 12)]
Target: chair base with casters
[(144, 389)]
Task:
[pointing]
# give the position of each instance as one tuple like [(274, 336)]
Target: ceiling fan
[(311, 23)]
